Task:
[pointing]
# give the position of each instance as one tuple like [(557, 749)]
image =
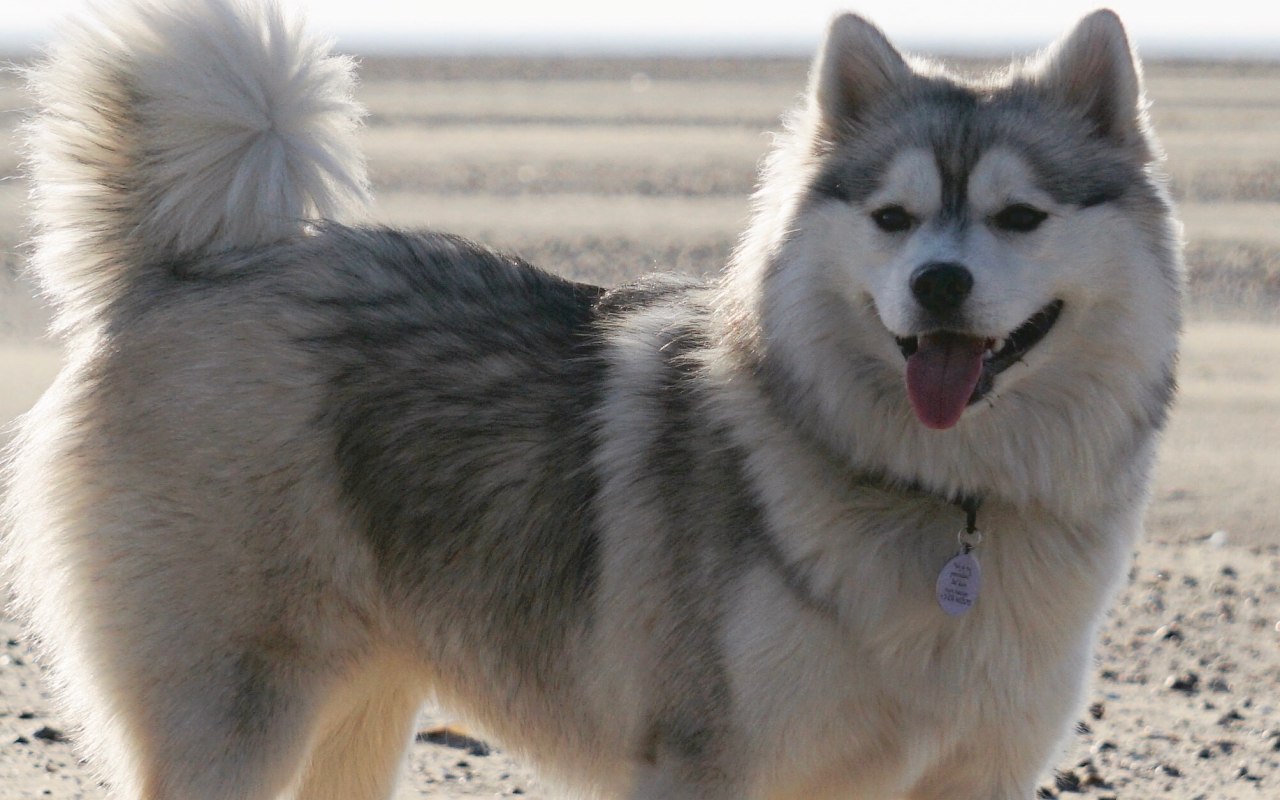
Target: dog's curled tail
[(175, 128)]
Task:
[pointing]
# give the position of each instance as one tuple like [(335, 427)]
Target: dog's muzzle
[(949, 371)]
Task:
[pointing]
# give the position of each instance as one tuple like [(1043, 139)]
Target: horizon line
[(15, 44)]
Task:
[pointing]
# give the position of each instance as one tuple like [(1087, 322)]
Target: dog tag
[(959, 583)]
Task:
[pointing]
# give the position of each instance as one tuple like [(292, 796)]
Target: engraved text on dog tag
[(959, 583)]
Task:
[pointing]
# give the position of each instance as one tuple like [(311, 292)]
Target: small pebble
[(1066, 781), (48, 734), (450, 738), (1186, 682), (1093, 779)]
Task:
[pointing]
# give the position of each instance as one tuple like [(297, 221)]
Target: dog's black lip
[(1024, 337), (1016, 345)]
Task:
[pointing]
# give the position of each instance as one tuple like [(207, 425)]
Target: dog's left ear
[(1094, 69)]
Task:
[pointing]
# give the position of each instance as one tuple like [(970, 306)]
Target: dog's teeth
[(998, 345)]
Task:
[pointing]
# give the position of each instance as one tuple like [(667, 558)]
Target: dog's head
[(987, 225), (939, 261)]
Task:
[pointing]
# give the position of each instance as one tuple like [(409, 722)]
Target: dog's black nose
[(941, 286)]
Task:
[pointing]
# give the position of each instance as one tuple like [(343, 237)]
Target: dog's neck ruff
[(962, 582)]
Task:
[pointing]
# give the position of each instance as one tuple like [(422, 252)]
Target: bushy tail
[(172, 128)]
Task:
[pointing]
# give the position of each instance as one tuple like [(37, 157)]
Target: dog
[(840, 521)]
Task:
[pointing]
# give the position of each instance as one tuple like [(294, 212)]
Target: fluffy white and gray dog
[(678, 539)]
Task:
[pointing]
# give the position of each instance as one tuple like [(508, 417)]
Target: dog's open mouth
[(948, 371)]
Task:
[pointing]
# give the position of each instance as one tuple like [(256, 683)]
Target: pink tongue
[(941, 374)]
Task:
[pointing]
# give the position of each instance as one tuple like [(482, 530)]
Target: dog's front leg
[(993, 772)]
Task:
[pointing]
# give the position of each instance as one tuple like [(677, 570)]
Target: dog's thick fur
[(669, 540)]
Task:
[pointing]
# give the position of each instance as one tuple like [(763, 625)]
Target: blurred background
[(1224, 29)]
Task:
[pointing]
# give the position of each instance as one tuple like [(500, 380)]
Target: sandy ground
[(602, 170)]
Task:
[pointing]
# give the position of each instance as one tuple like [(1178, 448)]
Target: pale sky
[(1208, 27)]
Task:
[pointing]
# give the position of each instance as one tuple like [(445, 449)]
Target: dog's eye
[(1019, 217), (893, 219)]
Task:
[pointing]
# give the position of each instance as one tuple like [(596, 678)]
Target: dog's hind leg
[(235, 728), (361, 738), (208, 717)]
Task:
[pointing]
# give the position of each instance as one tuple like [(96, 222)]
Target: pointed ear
[(1094, 70), (855, 67)]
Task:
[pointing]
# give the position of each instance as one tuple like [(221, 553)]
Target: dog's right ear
[(855, 67)]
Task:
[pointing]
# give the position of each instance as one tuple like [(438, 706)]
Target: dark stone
[(1066, 781), (447, 737), (1186, 682), (1230, 717), (48, 734)]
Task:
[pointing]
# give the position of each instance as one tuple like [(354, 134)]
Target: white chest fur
[(864, 700)]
